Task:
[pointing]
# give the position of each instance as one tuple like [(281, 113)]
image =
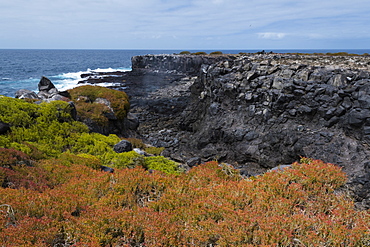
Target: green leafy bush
[(68, 159), (47, 128), (124, 160), (154, 150), (94, 144), (161, 163)]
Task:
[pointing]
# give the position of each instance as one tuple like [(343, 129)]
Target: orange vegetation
[(75, 205)]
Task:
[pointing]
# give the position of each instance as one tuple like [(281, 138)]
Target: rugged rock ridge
[(187, 64), (264, 110)]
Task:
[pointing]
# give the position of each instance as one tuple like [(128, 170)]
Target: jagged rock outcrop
[(47, 92)]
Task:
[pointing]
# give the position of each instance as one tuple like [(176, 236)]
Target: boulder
[(45, 84), (26, 94), (106, 169), (123, 146), (4, 127)]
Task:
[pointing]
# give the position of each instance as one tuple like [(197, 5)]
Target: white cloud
[(271, 35), (232, 22)]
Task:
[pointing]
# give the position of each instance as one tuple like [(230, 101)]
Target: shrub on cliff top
[(199, 53), (216, 53), (85, 96)]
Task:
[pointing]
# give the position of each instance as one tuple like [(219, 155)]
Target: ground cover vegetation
[(53, 193)]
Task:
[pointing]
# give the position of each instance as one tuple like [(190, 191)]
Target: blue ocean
[(22, 69)]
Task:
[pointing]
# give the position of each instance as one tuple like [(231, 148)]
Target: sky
[(184, 24)]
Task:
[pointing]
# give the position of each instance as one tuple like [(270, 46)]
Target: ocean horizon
[(23, 68)]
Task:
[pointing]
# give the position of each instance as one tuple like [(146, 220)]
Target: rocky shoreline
[(256, 111)]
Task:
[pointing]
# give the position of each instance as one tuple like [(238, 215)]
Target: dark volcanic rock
[(123, 146), (45, 84)]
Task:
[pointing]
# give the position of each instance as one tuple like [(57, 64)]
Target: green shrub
[(68, 159), (154, 150), (216, 53), (199, 53), (94, 144), (162, 164), (124, 160), (185, 53), (38, 130), (17, 113)]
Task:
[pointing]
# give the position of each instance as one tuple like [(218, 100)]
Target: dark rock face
[(268, 114), (258, 112), (123, 146)]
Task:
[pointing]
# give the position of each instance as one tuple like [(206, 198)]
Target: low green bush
[(94, 144), (85, 96), (161, 163), (154, 150), (199, 53), (216, 53), (124, 160)]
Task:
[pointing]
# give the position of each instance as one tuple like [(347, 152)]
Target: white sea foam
[(70, 80)]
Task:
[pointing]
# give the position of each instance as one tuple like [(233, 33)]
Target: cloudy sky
[(185, 24)]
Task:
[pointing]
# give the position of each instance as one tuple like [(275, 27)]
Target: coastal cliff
[(260, 111), (254, 113)]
